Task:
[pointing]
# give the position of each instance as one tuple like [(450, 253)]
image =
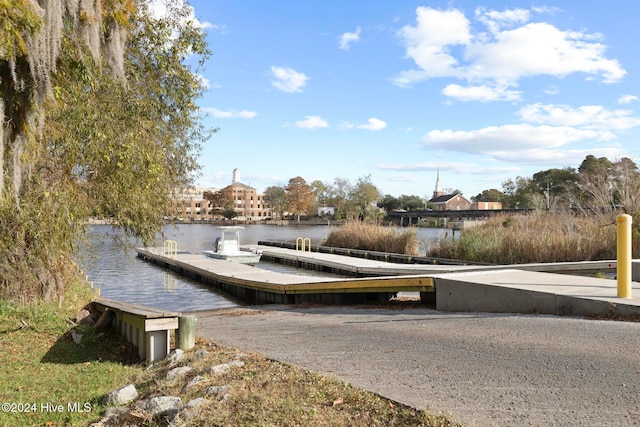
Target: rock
[(112, 417), (175, 356), (216, 390), (141, 405), (224, 367), (177, 372), (122, 396), (115, 411), (164, 405), (196, 402), (195, 380), (199, 354)]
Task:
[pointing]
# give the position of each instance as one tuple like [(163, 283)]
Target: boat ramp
[(371, 277)]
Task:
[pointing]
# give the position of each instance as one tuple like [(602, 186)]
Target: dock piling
[(186, 333)]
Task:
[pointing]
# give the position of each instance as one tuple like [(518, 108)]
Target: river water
[(121, 275)]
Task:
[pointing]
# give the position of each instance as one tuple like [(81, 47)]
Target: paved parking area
[(484, 369)]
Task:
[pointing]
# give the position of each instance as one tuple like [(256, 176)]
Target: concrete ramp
[(519, 291)]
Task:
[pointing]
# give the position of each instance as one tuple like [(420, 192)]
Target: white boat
[(227, 247)]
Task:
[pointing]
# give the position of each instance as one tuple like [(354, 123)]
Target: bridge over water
[(413, 217)]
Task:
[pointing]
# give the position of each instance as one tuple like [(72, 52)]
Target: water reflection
[(121, 275)]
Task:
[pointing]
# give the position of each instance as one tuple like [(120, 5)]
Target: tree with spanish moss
[(98, 119)]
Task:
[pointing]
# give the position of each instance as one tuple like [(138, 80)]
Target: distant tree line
[(350, 200), (598, 186)]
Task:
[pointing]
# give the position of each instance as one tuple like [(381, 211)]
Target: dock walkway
[(258, 286), (527, 288)]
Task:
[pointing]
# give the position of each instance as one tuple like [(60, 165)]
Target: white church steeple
[(437, 192)]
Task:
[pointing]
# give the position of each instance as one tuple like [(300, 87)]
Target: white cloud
[(373, 124), (513, 141), (495, 20), (159, 10), (311, 122), (288, 79), (456, 167), (480, 93), (347, 38), (230, 114), (587, 116), (429, 42), (540, 49), (443, 43), (627, 99)]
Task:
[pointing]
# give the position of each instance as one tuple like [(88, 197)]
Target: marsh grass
[(374, 237), (537, 237)]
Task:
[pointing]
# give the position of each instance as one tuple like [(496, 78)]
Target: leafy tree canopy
[(101, 124), (300, 199), (276, 197)]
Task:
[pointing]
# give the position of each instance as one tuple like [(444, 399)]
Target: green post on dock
[(624, 255), (186, 333)]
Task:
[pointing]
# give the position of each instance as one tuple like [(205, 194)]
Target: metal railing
[(170, 248), (303, 244)]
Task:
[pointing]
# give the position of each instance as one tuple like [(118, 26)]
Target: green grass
[(42, 368)]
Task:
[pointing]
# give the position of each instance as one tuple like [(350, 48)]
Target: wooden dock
[(524, 288), (258, 286)]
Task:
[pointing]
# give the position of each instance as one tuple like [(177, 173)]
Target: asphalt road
[(483, 369)]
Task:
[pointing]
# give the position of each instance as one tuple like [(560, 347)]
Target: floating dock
[(525, 288), (258, 286)]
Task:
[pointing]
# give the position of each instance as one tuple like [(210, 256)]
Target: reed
[(538, 237), (374, 237)]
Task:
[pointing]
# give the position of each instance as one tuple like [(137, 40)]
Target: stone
[(122, 396), (116, 411), (175, 356), (164, 405), (194, 403), (194, 381), (224, 367), (200, 354), (216, 390), (178, 372)]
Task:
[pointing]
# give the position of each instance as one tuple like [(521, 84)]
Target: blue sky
[(484, 91)]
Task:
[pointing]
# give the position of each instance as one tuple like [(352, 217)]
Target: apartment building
[(247, 202)]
